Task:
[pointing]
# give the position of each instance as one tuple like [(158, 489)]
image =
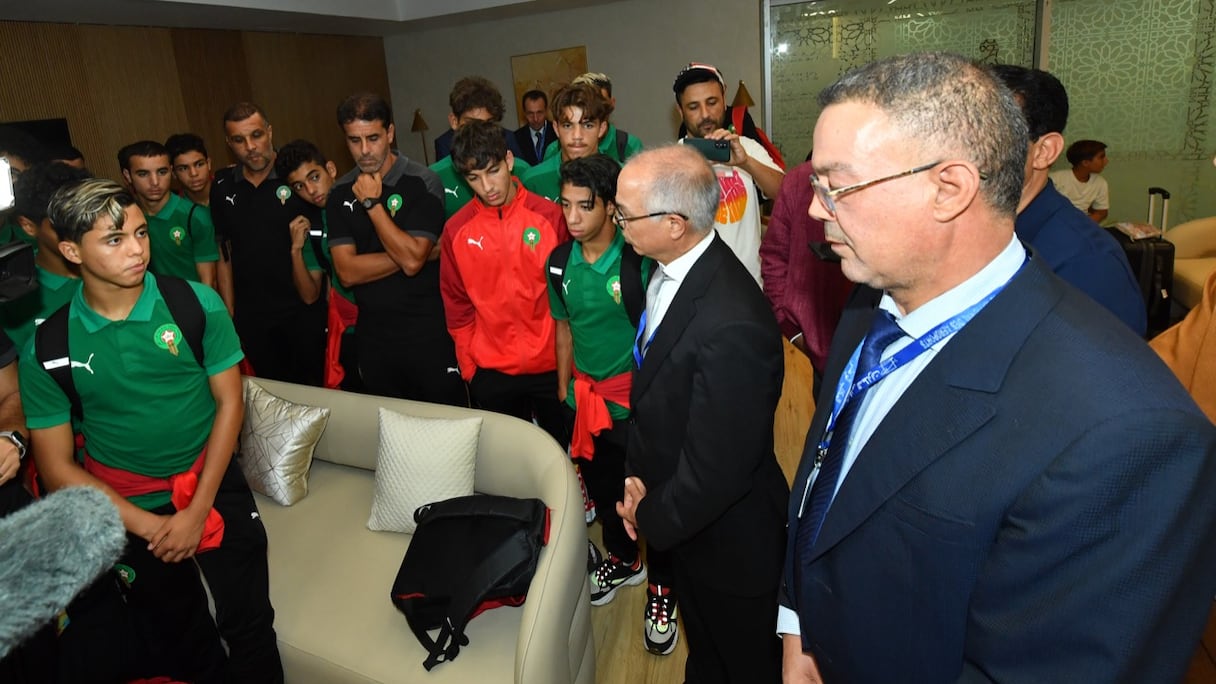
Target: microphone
[(52, 550)]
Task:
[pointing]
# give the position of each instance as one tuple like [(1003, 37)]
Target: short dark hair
[(295, 154), (77, 206), (33, 189), (143, 148), (365, 107), (1042, 97), (597, 173), (475, 92), (181, 143), (15, 142), (478, 145), (949, 106), (695, 73), (243, 110), (583, 96), (1084, 150), (535, 95)]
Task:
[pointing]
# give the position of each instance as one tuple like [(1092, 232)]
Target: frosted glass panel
[(1139, 78), (813, 43)]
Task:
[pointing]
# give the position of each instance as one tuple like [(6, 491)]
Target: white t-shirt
[(738, 219), (1092, 194)]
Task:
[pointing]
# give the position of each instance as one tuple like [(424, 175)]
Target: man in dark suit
[(1022, 493), (702, 479), (533, 137)]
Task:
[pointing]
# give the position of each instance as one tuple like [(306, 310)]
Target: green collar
[(606, 259), (142, 311)]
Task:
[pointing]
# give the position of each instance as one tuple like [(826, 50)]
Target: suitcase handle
[(1165, 194), (1165, 207)]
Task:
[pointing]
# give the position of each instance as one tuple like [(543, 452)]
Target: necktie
[(540, 147), (649, 321), (883, 331)]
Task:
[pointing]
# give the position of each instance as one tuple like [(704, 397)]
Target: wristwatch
[(17, 439), (369, 202)]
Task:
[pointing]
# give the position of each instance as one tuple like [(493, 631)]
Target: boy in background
[(311, 176), (1081, 184)]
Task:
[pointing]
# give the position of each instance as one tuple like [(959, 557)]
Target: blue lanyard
[(639, 349), (850, 386)]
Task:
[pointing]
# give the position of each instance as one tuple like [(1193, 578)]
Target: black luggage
[(1152, 262)]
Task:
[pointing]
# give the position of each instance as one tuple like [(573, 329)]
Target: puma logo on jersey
[(231, 199), (478, 242), (454, 192), (85, 365), (350, 204), (565, 287)]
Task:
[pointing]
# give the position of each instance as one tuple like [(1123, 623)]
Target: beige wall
[(641, 44)]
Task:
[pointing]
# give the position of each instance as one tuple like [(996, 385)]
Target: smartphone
[(713, 150), (6, 184)]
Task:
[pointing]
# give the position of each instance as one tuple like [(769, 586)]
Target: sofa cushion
[(421, 461), (1190, 275), (330, 580), (277, 442)]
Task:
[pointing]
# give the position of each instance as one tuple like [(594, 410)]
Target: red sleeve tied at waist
[(181, 488), (591, 415)]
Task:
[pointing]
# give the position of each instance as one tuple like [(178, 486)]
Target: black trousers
[(239, 580), (290, 349), (731, 638), (393, 362), (522, 396), (604, 476)]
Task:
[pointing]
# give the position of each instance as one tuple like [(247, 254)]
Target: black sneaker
[(612, 574), (660, 631), (594, 557)]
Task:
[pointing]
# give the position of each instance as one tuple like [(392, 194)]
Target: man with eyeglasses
[(702, 481), (701, 102), (1077, 249), (1001, 482)]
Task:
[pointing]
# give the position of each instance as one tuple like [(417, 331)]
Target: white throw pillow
[(421, 461), (277, 442)]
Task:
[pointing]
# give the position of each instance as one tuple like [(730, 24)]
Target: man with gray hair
[(981, 497), (702, 480)]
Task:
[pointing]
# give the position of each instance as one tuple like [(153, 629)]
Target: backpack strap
[(512, 554), (622, 141), (635, 275), (185, 310), (190, 221), (559, 258), (51, 349)]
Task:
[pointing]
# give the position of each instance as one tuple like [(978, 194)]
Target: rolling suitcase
[(1152, 262)]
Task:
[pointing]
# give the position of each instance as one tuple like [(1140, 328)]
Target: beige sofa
[(1194, 258), (330, 576)]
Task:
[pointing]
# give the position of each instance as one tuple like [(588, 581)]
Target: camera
[(6, 184)]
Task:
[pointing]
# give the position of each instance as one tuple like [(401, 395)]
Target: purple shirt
[(807, 294)]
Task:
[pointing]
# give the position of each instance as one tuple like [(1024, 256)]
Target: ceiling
[(343, 17)]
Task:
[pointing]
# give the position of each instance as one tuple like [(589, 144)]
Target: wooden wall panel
[(213, 75), (132, 81), (44, 78), (794, 410), (300, 80), (116, 85)]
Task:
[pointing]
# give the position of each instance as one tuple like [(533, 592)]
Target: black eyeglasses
[(622, 219)]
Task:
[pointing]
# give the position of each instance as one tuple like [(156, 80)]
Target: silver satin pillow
[(277, 441)]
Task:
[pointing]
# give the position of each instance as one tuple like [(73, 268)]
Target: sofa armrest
[(1194, 239)]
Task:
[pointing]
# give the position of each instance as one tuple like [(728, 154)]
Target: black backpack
[(468, 555), (51, 337), (633, 288)]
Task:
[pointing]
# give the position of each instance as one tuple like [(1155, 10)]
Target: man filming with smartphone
[(701, 99)]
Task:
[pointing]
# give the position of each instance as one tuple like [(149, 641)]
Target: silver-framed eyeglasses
[(828, 196), (621, 219)]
